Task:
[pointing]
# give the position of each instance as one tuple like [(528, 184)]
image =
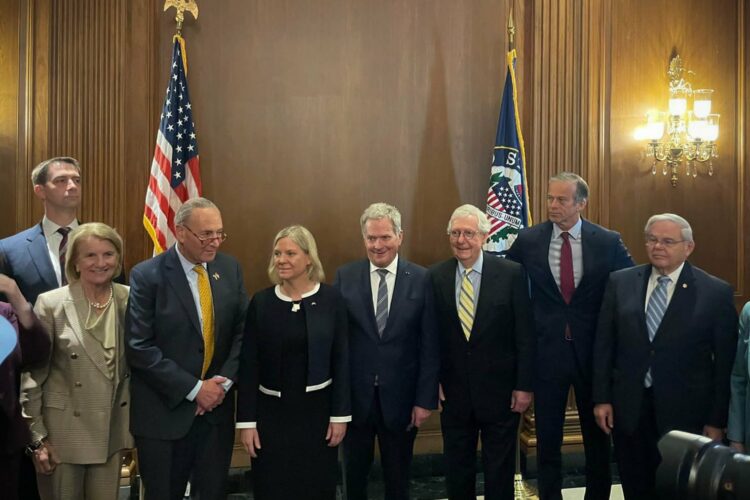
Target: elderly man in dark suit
[(183, 333), (664, 350), (568, 261), (32, 347), (393, 354), (34, 257), (487, 351)]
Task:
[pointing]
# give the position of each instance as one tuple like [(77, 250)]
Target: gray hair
[(183, 213), (378, 211), (304, 239), (582, 188), (39, 174), (684, 225), (483, 224)]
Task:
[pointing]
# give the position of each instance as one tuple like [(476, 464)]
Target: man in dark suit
[(663, 354), (183, 334), (393, 354), (33, 257), (487, 358), (568, 261)]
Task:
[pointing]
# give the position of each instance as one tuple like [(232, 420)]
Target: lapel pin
[(313, 303), (295, 306), (216, 276), (684, 285)]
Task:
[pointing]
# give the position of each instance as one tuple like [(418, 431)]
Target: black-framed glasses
[(208, 237)]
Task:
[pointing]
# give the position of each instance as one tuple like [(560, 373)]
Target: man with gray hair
[(393, 354), (663, 353), (183, 332), (487, 348), (568, 260)]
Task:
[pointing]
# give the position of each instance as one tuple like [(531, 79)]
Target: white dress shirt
[(652, 283), (54, 239), (390, 281), (475, 277), (576, 248)]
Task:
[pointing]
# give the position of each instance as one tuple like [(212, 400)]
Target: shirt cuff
[(246, 425), (340, 420), (227, 384), (192, 394)]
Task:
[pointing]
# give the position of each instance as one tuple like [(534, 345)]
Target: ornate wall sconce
[(690, 134)]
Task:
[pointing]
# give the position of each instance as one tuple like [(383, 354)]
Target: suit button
[(78, 384), (127, 375), (74, 356), (124, 403), (76, 413)]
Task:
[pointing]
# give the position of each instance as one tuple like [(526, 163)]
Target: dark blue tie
[(657, 305), (381, 309)]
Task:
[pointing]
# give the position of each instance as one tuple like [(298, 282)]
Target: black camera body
[(694, 467)]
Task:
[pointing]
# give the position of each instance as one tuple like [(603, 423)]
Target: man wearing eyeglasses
[(183, 334), (568, 260), (487, 350), (663, 354)]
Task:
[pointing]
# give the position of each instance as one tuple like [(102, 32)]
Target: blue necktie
[(657, 305), (381, 309)]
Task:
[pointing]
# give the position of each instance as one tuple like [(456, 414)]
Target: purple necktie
[(63, 248)]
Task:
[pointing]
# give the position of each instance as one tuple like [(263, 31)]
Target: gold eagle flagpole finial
[(511, 31), (181, 6)]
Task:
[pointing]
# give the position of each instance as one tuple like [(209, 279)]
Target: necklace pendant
[(296, 306)]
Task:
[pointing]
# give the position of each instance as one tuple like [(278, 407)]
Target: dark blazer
[(481, 374), (691, 356), (603, 252), (25, 258), (164, 342), (327, 351), (406, 358), (33, 348)]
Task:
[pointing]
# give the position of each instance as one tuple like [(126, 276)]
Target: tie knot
[(64, 230), (664, 280), (467, 271), (199, 269), (383, 273), (565, 235)]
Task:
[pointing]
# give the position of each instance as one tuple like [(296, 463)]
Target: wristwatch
[(33, 447)]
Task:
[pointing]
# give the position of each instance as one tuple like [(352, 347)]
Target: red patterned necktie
[(567, 282)]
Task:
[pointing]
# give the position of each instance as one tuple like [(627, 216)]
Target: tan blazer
[(71, 401)]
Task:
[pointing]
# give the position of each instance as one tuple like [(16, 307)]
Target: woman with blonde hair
[(78, 399), (293, 386)]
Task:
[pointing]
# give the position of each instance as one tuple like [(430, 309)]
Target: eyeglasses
[(652, 241), (208, 237), (456, 234)]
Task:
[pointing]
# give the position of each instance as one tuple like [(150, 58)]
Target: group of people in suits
[(647, 349)]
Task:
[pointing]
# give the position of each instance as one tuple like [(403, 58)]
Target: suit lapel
[(401, 288), (176, 277), (217, 280), (588, 234), (683, 299), (485, 291), (447, 287), (365, 288), (639, 293), (545, 237), (39, 254), (77, 302)]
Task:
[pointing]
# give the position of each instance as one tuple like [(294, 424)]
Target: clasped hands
[(210, 395)]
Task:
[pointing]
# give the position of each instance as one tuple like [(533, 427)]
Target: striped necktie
[(381, 309), (657, 305), (63, 248), (207, 312), (466, 304)]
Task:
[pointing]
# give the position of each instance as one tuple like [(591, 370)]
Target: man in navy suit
[(568, 261), (487, 350), (393, 353), (183, 333), (33, 257), (663, 354)]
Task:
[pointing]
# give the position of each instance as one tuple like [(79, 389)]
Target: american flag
[(175, 174)]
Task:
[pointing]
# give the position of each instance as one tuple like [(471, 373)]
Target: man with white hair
[(663, 353), (487, 353)]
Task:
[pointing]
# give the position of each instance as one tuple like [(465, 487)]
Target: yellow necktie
[(207, 311), (466, 304)]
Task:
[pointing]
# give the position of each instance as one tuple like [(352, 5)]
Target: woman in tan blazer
[(78, 401)]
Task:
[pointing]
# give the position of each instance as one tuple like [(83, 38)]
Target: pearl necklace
[(100, 306)]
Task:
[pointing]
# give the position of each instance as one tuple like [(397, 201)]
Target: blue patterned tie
[(657, 305), (381, 309)]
